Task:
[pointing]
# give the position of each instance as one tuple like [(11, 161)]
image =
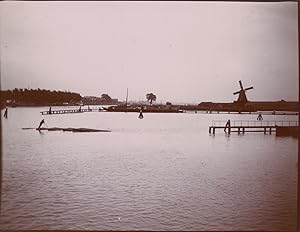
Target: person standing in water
[(141, 114), (227, 125), (41, 123), (5, 112), (259, 117)]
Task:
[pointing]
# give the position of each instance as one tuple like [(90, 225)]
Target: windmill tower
[(242, 99)]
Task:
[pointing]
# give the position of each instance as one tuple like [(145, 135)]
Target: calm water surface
[(164, 172)]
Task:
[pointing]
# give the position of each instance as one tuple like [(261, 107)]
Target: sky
[(183, 52)]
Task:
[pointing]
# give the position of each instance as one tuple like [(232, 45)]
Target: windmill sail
[(241, 85), (249, 88)]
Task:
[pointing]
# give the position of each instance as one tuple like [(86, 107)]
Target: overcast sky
[(181, 51)]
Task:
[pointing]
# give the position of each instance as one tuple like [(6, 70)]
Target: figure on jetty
[(79, 109), (5, 112), (41, 123), (50, 110), (227, 125), (259, 117)]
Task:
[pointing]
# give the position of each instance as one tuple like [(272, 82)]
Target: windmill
[(242, 94)]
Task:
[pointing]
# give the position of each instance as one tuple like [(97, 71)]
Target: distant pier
[(70, 111), (281, 128), (62, 111)]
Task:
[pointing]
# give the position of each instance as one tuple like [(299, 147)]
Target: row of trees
[(38, 96), (48, 97)]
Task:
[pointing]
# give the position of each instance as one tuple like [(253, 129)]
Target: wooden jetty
[(61, 111), (70, 111), (241, 127)]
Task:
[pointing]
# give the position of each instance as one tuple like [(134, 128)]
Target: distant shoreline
[(48, 98), (135, 107)]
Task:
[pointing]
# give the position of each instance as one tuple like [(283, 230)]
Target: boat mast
[(126, 97)]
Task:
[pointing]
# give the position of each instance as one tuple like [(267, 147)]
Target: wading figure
[(5, 113), (141, 114), (259, 117), (227, 125), (41, 123)]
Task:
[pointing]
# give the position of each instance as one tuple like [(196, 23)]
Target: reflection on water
[(164, 172)]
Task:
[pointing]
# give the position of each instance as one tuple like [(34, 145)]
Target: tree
[(150, 97), (105, 97)]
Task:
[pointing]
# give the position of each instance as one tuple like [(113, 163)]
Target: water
[(164, 172)]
